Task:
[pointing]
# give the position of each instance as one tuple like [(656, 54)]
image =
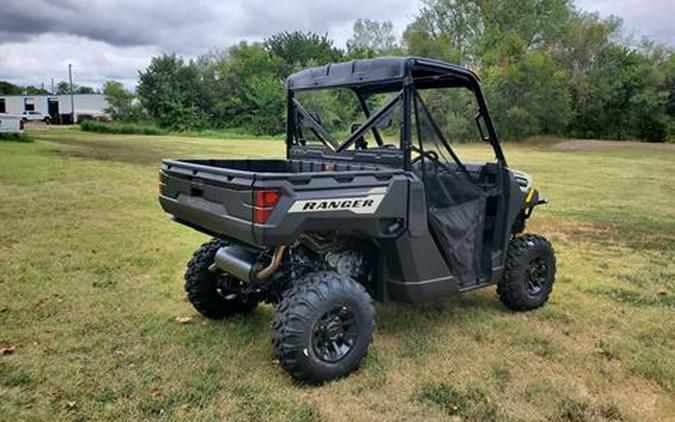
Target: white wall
[(13, 104), (84, 103)]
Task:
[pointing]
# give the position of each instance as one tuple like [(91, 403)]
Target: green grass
[(91, 281)]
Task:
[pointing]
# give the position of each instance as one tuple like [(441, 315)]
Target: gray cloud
[(184, 26), (653, 19), (120, 23)]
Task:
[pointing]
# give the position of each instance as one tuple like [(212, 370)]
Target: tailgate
[(212, 200)]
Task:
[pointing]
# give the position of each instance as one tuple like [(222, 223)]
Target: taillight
[(263, 204)]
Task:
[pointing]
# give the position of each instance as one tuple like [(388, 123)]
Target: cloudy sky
[(112, 39)]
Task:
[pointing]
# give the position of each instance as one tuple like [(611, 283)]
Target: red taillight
[(264, 203)]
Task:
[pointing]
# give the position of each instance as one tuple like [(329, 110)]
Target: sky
[(113, 39)]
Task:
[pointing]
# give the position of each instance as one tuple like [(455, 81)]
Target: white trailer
[(11, 123), (56, 107)]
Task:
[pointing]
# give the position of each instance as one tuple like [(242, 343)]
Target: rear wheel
[(323, 327), (206, 290), (529, 273)]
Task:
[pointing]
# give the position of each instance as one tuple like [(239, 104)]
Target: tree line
[(547, 69), (61, 88)]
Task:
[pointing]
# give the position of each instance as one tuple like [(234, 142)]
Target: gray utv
[(371, 201)]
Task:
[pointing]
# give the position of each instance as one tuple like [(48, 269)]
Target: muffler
[(241, 262)]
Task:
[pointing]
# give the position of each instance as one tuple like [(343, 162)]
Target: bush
[(15, 137), (121, 128), (229, 134)]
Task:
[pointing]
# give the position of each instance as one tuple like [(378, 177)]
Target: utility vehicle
[(35, 116), (376, 205)]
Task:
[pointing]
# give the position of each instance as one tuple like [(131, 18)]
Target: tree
[(63, 88), (372, 38), (298, 48), (122, 104), (446, 30), (529, 97), (7, 88), (667, 70), (172, 92), (548, 68), (85, 90), (31, 90), (250, 89), (619, 98)]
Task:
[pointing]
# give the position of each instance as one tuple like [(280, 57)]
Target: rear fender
[(364, 206)]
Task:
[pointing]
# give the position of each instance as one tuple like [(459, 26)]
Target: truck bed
[(218, 196)]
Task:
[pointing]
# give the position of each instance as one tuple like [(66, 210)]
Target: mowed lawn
[(91, 283)]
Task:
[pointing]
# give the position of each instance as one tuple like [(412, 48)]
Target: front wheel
[(323, 327), (529, 273)]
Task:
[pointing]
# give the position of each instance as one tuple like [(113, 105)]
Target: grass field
[(91, 283)]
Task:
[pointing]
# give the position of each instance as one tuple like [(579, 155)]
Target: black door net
[(456, 204)]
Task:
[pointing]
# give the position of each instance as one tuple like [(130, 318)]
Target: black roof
[(381, 74)]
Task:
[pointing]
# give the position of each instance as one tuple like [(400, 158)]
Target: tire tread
[(510, 288), (295, 312)]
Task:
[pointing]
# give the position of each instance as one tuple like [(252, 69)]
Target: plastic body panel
[(416, 271), (209, 199), (220, 199)]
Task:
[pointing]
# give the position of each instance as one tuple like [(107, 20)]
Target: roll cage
[(402, 76)]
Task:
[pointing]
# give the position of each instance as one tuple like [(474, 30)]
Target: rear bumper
[(208, 217)]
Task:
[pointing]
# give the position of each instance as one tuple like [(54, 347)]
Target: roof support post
[(405, 127), (290, 121)]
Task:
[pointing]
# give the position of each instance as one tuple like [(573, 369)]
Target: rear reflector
[(264, 203)]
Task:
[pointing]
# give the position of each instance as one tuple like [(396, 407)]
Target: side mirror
[(482, 127)]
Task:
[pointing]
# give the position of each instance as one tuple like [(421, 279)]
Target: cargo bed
[(218, 196)]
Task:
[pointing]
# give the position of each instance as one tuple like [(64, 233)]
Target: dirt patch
[(104, 150), (591, 144), (569, 230)]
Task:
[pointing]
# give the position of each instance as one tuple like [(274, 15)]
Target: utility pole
[(53, 92), (72, 98)]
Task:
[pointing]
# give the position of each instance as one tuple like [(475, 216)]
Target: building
[(57, 107)]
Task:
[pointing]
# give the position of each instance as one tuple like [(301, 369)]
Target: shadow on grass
[(396, 318)]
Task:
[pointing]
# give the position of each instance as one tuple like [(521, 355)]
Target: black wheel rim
[(334, 334), (536, 276)]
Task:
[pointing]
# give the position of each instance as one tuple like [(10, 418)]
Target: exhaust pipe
[(267, 272), (241, 263)]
